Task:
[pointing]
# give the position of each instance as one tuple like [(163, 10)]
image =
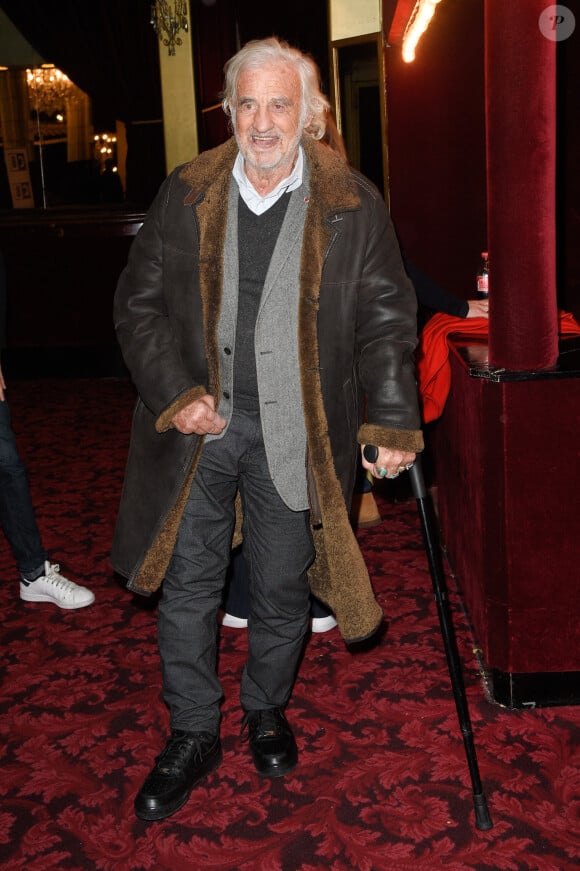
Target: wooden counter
[(507, 465)]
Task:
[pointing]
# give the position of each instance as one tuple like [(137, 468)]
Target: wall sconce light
[(418, 24), (168, 20), (106, 151)]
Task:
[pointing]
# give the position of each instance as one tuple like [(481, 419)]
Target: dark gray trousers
[(278, 548)]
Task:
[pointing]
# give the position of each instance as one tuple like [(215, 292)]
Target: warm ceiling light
[(418, 24), (49, 88)]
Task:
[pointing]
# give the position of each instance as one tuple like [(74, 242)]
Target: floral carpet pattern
[(382, 781)]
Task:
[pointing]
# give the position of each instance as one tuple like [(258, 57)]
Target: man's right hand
[(2, 385), (199, 417)]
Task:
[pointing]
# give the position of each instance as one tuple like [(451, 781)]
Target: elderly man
[(264, 295)]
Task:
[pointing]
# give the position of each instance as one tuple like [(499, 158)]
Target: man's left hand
[(389, 463)]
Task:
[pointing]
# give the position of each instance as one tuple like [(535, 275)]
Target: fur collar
[(332, 188)]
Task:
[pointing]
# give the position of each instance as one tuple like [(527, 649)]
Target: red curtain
[(520, 70)]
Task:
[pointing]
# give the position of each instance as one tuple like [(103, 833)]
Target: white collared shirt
[(256, 203)]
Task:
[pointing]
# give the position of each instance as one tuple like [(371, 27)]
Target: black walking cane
[(431, 540)]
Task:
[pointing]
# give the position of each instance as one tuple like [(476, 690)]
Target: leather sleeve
[(143, 321), (386, 338)]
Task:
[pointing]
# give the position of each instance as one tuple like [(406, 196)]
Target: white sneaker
[(53, 587), (234, 622), (318, 624), (323, 624)]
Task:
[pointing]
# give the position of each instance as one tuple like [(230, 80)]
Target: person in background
[(432, 298), (236, 603), (40, 579), (264, 292)]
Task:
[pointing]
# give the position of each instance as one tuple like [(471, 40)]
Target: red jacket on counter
[(433, 367)]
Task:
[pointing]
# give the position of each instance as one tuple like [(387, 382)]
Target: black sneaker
[(271, 741), (186, 759)]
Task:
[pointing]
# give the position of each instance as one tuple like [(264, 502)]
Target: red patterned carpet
[(382, 782)]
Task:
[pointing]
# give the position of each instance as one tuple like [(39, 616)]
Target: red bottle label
[(483, 284)]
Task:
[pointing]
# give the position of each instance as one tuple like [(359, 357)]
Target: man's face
[(267, 121)]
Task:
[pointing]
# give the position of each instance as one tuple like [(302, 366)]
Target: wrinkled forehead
[(279, 79)]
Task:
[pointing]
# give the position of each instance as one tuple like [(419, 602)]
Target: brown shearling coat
[(357, 333)]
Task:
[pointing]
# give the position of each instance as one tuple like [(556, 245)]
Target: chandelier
[(48, 88), (167, 20)]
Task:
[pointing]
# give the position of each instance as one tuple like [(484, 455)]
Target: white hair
[(261, 52)]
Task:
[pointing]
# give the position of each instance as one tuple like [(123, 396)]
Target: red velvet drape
[(520, 71)]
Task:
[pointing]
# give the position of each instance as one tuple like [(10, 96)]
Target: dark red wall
[(436, 139), (437, 151)]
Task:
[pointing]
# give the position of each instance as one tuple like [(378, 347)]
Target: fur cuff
[(163, 422), (394, 439)]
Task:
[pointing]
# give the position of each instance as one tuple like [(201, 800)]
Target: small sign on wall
[(19, 178)]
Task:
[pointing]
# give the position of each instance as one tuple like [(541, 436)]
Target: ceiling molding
[(400, 20), (15, 51)]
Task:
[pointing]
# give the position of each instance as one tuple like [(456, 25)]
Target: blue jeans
[(16, 512)]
